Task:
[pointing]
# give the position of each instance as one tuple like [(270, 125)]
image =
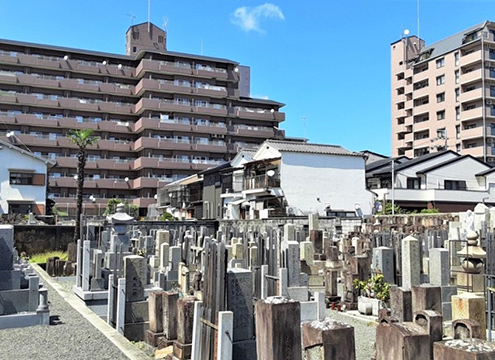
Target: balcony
[(474, 151), (472, 76), (263, 133), (71, 163), (259, 114), (422, 92), (409, 137), (33, 120), (144, 182), (211, 73), (400, 144), (211, 91), (210, 129), (157, 124), (113, 145), (30, 80), (472, 114), (421, 126), (161, 86), (174, 164), (473, 133), (399, 113), (161, 104), (112, 164), (153, 143), (471, 95), (115, 126), (472, 58), (261, 182), (210, 147), (220, 110), (422, 109)]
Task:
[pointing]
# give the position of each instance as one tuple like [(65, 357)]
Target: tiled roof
[(302, 147), (450, 43)]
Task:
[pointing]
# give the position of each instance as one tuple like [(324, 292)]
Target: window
[(457, 131), (441, 80), (440, 63), (492, 91), (413, 183), (134, 49), (492, 72), (440, 97), (492, 110), (454, 184), (457, 112), (20, 208), (135, 36), (456, 58), (457, 76), (491, 54), (492, 129), (441, 115), (457, 95), (21, 178), (161, 39), (458, 148)]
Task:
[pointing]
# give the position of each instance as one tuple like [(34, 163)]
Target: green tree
[(131, 209), (83, 138)]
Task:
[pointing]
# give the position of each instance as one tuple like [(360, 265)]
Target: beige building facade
[(160, 115), (443, 95)]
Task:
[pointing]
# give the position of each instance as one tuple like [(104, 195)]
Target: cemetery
[(270, 289)]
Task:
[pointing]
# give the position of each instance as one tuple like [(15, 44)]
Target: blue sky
[(327, 60)]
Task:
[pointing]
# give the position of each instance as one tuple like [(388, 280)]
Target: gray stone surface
[(411, 262), (135, 275), (383, 260), (239, 287), (439, 267), (6, 247)]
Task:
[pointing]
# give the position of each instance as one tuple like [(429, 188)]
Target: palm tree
[(82, 138)]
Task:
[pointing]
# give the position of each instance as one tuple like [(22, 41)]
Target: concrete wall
[(335, 180)]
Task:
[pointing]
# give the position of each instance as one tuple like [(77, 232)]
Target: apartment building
[(443, 95), (160, 115)]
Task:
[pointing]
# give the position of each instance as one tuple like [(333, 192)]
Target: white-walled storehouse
[(23, 179), (302, 178)]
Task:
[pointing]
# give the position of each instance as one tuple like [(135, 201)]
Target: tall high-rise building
[(443, 95), (160, 115)]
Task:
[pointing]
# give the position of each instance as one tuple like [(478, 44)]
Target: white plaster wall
[(335, 180), (14, 160), (410, 172), (460, 170)]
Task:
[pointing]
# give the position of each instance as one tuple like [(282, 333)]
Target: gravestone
[(316, 237), (6, 247), (383, 261), (411, 262), (240, 302), (278, 329), (328, 340), (135, 275)]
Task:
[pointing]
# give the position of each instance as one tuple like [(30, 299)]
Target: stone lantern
[(472, 264), (120, 225)]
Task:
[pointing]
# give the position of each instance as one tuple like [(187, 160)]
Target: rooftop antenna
[(149, 16), (165, 24), (132, 16), (418, 21), (303, 118)]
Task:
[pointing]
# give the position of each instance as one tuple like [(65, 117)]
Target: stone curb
[(77, 304)]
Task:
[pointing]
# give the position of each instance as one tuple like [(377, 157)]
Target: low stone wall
[(410, 222), (35, 239)]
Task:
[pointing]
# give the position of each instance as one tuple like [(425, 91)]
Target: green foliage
[(375, 287), (430, 211), (167, 217), (83, 138), (56, 211), (43, 257), (131, 209), (387, 209)]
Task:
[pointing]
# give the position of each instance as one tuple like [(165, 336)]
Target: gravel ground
[(69, 336), (364, 333)]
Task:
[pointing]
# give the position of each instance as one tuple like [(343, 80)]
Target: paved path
[(75, 332)]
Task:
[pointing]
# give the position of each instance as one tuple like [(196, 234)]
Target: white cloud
[(248, 19)]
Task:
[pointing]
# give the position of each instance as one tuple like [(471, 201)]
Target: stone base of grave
[(155, 339), (351, 305), (244, 350), (136, 331), (182, 351), (465, 349), (470, 282)]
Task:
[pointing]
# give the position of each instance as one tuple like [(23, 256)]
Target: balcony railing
[(261, 182)]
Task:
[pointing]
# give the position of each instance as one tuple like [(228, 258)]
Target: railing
[(260, 182)]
